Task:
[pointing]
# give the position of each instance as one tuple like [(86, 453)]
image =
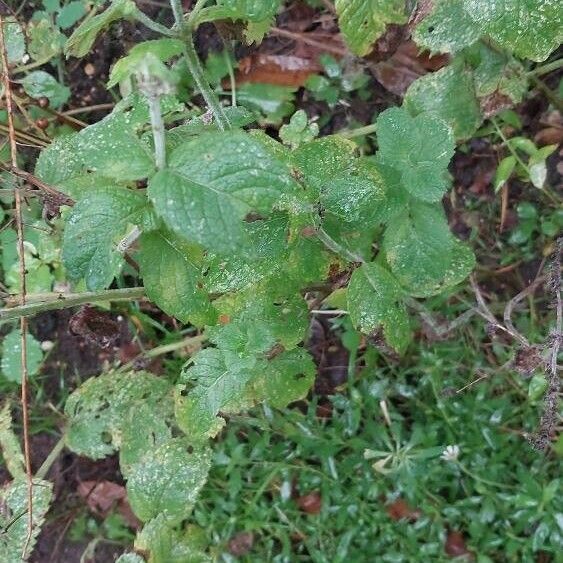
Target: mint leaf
[(419, 147), (450, 94), (167, 482), (422, 253), (16, 544), (448, 28), (98, 410), (215, 385), (531, 29), (362, 22), (93, 230), (172, 278), (214, 183), (375, 303), (83, 37), (163, 49), (286, 379)]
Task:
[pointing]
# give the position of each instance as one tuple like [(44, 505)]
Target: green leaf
[(168, 544), (257, 11), (82, 39), (172, 278), (12, 356), (420, 147), (110, 148), (40, 83), (447, 29), (100, 408), (423, 254), (167, 482), (503, 172), (14, 39), (298, 130), (214, 182), (375, 303), (362, 22), (70, 14), (45, 40), (273, 101), (164, 49), (449, 93), (94, 228), (130, 558), (531, 29), (14, 520), (216, 385), (496, 72), (286, 379), (11, 449)]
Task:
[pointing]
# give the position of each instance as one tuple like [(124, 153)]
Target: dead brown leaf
[(241, 544), (281, 70), (95, 326), (310, 503), (455, 545), (400, 509)]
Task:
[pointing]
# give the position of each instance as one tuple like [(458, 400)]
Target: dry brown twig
[(23, 320)]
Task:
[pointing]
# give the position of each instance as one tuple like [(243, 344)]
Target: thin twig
[(23, 320), (305, 38)]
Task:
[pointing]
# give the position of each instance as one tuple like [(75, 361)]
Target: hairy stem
[(157, 124), (63, 301), (141, 17), (195, 68)]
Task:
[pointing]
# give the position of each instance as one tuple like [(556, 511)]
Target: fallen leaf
[(405, 66), (281, 70), (549, 136), (101, 496), (310, 503), (95, 326), (455, 544), (388, 43), (494, 103), (241, 544), (399, 510)]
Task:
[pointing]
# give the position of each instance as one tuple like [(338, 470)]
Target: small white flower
[(47, 345), (451, 453)]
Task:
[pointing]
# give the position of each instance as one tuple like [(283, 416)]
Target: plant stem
[(157, 124), (195, 68), (359, 132), (544, 69), (72, 300), (151, 24), (50, 459)]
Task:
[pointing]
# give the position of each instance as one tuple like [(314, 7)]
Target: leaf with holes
[(99, 408), (362, 22), (167, 482), (375, 303)]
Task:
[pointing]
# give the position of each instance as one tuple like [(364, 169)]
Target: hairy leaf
[(172, 276), (14, 519), (167, 482), (164, 49), (362, 22), (216, 181), (99, 408), (93, 231), (10, 445), (448, 28), (216, 384), (531, 29), (450, 94), (375, 303), (83, 37), (419, 147), (422, 253)]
